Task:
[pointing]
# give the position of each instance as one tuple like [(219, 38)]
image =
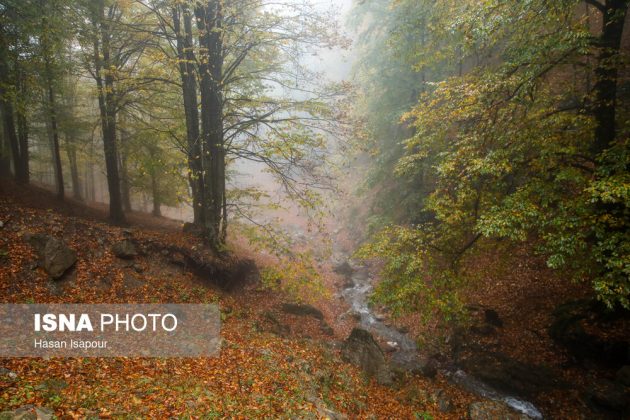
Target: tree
[(233, 62), (49, 42), (518, 142)]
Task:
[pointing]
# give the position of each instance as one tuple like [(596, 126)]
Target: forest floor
[(272, 364)]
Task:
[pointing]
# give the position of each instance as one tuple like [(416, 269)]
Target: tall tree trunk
[(71, 153), (155, 194), (186, 59), (107, 109), (124, 173), (605, 89), (5, 160), (54, 132), (22, 127), (209, 20), (8, 126)]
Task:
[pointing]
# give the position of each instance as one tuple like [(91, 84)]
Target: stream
[(357, 296)]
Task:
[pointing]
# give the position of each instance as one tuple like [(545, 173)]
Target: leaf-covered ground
[(259, 374)]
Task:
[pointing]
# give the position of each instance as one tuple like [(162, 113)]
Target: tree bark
[(124, 173), (107, 109), (605, 89), (52, 114), (71, 153), (22, 128), (186, 59), (209, 21), (155, 194)]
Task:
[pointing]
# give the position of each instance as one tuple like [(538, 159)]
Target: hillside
[(272, 363)]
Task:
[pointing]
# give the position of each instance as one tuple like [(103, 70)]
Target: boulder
[(344, 269), (509, 375), (411, 362), (124, 249), (360, 349), (54, 255), (28, 412), (302, 310), (493, 410)]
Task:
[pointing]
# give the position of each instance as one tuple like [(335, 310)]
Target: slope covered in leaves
[(258, 373)]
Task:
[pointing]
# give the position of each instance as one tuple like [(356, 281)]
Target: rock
[(509, 375), (391, 346), (124, 249), (7, 374), (37, 241), (606, 395), (52, 384), (24, 413), (360, 349), (623, 376), (302, 310), (352, 314), (131, 282), (413, 363), (44, 413), (344, 269), (492, 317), (327, 329), (493, 410), (54, 255), (275, 326), (322, 410), (444, 403), (28, 412), (177, 258)]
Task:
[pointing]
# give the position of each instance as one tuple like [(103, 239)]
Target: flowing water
[(357, 297)]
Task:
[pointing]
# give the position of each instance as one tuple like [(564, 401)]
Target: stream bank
[(356, 292)]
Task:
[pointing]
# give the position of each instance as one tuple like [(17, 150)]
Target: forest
[(400, 208)]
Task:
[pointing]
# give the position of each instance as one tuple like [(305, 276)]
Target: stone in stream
[(360, 349), (54, 255), (344, 269)]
